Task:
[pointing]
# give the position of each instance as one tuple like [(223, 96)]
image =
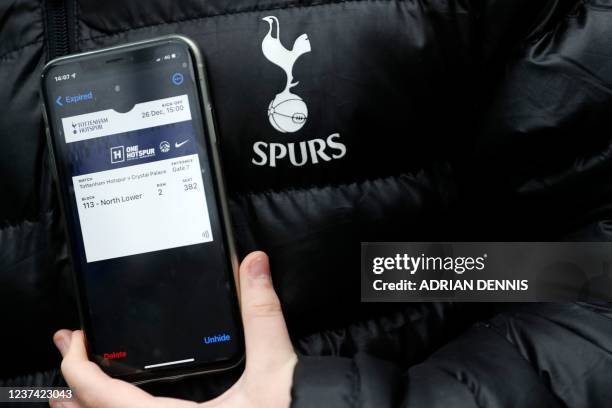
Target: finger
[(92, 386), (62, 340), (266, 337), (64, 404)]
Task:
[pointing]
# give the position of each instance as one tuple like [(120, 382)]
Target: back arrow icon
[(59, 101)]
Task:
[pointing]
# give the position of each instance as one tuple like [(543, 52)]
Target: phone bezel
[(211, 140)]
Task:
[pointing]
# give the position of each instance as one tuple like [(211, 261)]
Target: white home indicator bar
[(188, 360)]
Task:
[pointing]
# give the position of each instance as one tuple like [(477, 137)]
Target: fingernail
[(61, 344), (258, 269)]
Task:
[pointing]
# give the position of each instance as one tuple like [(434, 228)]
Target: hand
[(270, 359)]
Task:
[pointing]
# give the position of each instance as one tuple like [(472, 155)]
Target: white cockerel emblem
[(287, 112)]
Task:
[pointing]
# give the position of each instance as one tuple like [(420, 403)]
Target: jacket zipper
[(61, 27)]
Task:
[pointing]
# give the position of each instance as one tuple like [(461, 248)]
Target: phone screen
[(143, 210)]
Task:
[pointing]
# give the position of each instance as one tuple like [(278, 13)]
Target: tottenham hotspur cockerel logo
[(287, 112)]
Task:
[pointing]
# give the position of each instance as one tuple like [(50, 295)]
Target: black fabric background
[(463, 120)]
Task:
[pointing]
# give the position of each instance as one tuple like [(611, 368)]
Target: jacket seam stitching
[(304, 189), (233, 13), (411, 177), (237, 196)]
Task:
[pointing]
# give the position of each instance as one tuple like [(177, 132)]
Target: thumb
[(62, 340), (266, 337)]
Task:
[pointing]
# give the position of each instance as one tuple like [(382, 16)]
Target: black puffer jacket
[(427, 120)]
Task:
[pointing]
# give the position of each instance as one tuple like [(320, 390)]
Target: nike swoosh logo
[(177, 145)]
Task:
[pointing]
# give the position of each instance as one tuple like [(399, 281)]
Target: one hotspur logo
[(287, 112)]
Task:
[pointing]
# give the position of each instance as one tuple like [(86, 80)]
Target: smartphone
[(133, 145)]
